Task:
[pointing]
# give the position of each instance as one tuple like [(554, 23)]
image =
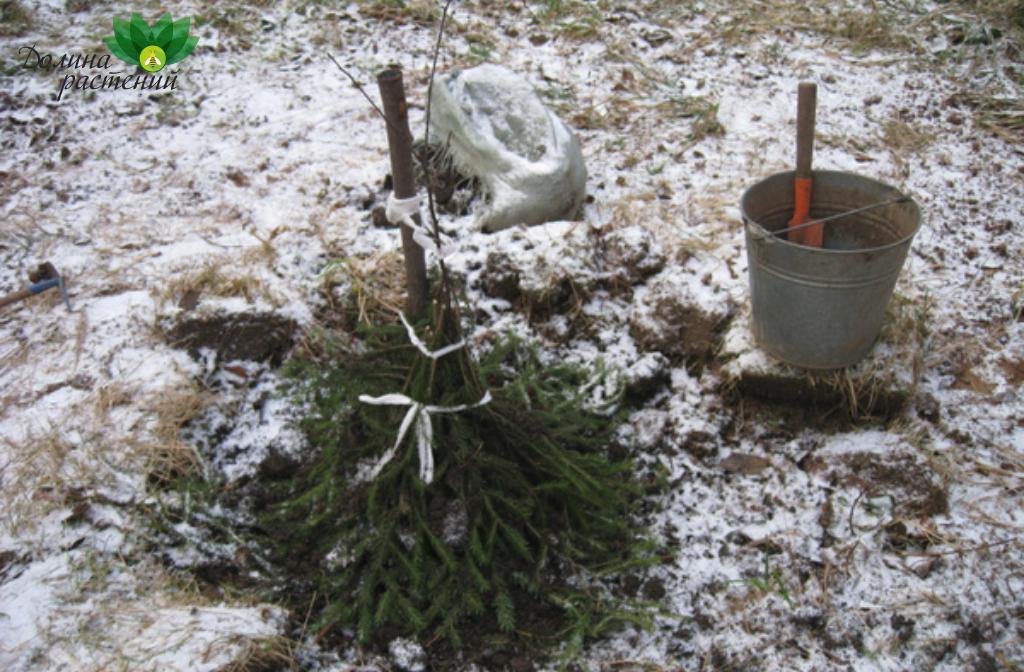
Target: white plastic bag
[(493, 126)]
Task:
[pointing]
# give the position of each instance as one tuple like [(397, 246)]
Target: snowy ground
[(259, 170)]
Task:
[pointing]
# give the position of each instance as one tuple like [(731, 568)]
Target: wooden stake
[(396, 116)]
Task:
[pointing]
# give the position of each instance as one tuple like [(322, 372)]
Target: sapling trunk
[(396, 114)]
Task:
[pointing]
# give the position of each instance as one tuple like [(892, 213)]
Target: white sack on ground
[(494, 127)]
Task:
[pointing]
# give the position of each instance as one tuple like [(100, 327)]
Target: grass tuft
[(366, 289), (15, 19), (422, 12)]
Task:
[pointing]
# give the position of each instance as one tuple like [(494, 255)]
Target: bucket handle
[(898, 199)]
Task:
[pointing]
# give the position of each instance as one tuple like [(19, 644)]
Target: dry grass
[(32, 483), (166, 457), (264, 654), (863, 29), (48, 467), (218, 277), (91, 430), (65, 468), (423, 12), (128, 634), (367, 289), (173, 410), (902, 137), (617, 112), (906, 325), (226, 276), (573, 18), (855, 26), (15, 19), (1007, 13), (988, 35), (168, 462), (702, 113), (1003, 116)]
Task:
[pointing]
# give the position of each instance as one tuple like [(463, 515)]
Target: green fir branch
[(541, 500)]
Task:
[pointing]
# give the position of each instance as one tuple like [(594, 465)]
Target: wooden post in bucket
[(811, 236), (396, 114)]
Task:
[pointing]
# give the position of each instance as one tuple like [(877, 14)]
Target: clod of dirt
[(549, 268), (632, 254), (522, 664), (238, 177), (1014, 370), (256, 337), (7, 559), (929, 408), (810, 618), (902, 626), (700, 444), (821, 392), (278, 466), (890, 468), (747, 465), (500, 278), (654, 589), (630, 585), (967, 378), (647, 376), (379, 218), (675, 318), (190, 299)]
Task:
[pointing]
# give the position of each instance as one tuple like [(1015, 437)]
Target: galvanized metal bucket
[(822, 308)]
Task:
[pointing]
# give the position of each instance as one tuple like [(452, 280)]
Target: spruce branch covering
[(524, 502)]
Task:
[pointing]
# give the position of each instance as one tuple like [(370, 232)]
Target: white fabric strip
[(419, 414), (433, 354), (401, 211)]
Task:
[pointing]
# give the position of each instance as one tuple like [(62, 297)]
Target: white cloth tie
[(401, 211), (420, 415), (433, 354)]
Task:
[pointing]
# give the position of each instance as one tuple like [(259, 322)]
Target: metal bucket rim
[(755, 229)]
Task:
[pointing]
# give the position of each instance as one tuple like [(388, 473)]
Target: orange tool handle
[(802, 202), (807, 103)]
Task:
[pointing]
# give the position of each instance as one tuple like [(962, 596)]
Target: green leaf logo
[(166, 43)]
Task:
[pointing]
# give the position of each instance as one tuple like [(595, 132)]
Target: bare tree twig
[(356, 83), (427, 168), (957, 551)]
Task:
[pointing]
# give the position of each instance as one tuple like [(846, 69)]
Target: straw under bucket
[(822, 308)]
